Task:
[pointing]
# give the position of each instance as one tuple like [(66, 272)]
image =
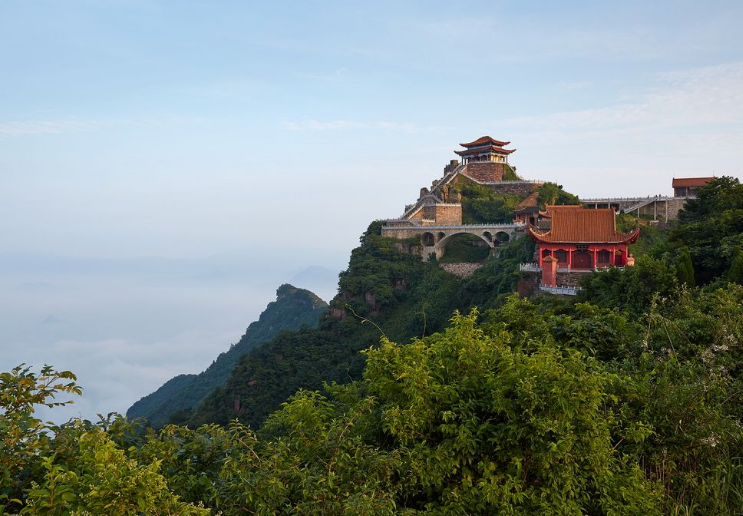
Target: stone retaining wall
[(462, 270)]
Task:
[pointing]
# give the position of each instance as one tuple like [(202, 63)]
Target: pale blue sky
[(185, 129), (141, 127)]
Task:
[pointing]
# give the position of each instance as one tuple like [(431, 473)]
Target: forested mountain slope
[(386, 290), (292, 309), (625, 401)]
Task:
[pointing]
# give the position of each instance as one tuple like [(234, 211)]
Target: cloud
[(685, 99), (684, 123), (16, 128), (575, 85), (309, 124), (115, 372)]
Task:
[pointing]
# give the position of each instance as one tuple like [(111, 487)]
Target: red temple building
[(485, 148), (581, 239)]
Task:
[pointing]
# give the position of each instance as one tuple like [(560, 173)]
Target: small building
[(485, 160), (485, 148), (689, 186), (582, 240)]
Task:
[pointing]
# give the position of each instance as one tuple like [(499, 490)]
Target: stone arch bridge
[(433, 239)]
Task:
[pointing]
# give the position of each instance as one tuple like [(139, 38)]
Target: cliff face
[(385, 291), (292, 309)]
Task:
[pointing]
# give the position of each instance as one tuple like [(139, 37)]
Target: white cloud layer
[(309, 124)]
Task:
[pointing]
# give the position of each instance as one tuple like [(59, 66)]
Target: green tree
[(552, 193), (711, 227), (491, 429), (632, 289), (685, 268), (98, 478), (735, 273), (22, 435)]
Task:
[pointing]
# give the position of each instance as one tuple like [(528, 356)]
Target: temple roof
[(482, 140), (572, 224), (485, 149), (530, 203), (690, 181)]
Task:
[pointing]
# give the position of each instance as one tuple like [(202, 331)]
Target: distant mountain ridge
[(174, 400)]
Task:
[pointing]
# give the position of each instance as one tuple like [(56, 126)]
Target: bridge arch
[(427, 239), (501, 237), (442, 243)]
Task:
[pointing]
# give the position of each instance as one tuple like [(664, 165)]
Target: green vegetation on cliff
[(481, 205), (552, 193), (385, 290), (626, 401), (176, 399), (518, 410)]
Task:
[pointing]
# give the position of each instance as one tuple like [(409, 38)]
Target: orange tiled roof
[(690, 181), (550, 207), (531, 201), (482, 140), (572, 224)]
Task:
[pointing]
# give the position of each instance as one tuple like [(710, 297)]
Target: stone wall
[(418, 215), (528, 284), (570, 279), (448, 214), (522, 189), (657, 209), (462, 270), (485, 171)]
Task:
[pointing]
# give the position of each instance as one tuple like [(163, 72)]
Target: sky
[(165, 165)]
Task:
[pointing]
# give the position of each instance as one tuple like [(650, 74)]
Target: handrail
[(516, 225), (530, 267), (621, 199), (565, 291)]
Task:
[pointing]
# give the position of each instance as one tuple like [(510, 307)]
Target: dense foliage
[(626, 401), (481, 205), (552, 193), (711, 227), (465, 248), (385, 290), (522, 410)]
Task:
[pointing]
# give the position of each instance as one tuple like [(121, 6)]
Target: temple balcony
[(562, 291), (534, 267), (530, 267)]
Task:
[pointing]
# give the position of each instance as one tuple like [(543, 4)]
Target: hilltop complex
[(574, 238)]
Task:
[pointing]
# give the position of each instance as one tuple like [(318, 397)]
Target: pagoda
[(485, 148), (583, 240)]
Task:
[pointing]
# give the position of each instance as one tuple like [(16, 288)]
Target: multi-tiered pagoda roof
[(483, 149)]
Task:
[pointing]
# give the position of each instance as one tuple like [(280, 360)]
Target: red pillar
[(549, 271)]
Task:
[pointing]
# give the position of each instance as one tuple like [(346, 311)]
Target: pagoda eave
[(483, 140), (623, 239), (483, 151)]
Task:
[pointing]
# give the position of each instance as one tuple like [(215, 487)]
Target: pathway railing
[(530, 267), (515, 225), (563, 291)]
